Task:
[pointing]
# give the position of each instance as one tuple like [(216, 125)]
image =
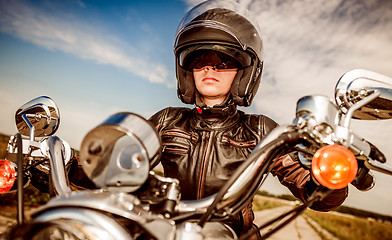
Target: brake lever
[(376, 154)]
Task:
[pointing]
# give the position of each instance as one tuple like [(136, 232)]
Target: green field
[(341, 226), (350, 227)]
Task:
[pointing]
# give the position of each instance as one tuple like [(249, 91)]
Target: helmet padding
[(186, 88), (243, 92)]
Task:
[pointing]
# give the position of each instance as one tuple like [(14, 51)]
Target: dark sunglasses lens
[(212, 58), (218, 56), (227, 64)]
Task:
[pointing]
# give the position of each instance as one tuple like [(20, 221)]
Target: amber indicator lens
[(7, 176), (334, 166)]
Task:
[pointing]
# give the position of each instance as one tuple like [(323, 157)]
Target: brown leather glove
[(298, 180)]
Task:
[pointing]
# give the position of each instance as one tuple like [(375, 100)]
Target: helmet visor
[(228, 16), (217, 56)]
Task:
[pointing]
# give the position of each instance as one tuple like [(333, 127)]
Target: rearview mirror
[(39, 117), (357, 84)]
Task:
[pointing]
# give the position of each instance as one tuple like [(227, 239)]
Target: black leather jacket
[(203, 150)]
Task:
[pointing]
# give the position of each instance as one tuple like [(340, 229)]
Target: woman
[(218, 52)]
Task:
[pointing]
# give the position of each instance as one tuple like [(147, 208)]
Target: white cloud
[(192, 3), (67, 34), (76, 122), (308, 45)]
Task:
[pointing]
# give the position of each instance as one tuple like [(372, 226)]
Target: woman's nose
[(208, 68)]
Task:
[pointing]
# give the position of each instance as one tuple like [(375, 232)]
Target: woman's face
[(213, 84), (213, 73)]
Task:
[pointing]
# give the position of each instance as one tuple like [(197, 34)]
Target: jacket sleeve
[(297, 179)]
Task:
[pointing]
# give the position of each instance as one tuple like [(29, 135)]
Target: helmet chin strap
[(223, 109)]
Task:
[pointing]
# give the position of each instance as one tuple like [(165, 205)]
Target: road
[(298, 229), (5, 223)]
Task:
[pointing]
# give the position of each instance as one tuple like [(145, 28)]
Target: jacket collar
[(221, 110), (214, 119)]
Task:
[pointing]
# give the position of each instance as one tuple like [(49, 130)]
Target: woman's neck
[(210, 102)]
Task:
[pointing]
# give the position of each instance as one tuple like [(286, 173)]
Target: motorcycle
[(133, 202)]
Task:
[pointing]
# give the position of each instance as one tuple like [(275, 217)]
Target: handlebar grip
[(376, 154), (364, 180)]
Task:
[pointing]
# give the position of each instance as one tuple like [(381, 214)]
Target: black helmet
[(225, 27)]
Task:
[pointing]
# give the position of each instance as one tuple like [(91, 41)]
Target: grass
[(3, 145), (349, 227), (340, 226), (261, 203)]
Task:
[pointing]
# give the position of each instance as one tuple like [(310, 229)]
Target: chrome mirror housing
[(39, 117), (358, 84), (116, 155)]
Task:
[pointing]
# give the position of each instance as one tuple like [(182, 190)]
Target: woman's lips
[(210, 80)]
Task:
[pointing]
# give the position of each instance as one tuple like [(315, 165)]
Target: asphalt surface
[(5, 223)]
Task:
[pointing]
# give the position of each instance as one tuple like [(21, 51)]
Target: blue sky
[(96, 58)]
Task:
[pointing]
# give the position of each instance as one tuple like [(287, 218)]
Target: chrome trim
[(29, 125), (242, 183), (40, 117), (385, 168), (317, 110), (116, 154), (120, 204), (85, 224), (358, 105), (356, 84), (57, 156)]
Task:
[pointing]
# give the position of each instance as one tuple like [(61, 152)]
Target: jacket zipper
[(179, 133), (204, 164), (175, 147), (251, 143)]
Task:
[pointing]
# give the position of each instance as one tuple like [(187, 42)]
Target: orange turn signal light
[(334, 166), (7, 176)]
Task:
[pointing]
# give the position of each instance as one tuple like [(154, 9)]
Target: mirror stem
[(32, 129), (20, 174), (358, 105)]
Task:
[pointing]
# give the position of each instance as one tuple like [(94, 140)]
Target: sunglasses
[(216, 56), (215, 60)]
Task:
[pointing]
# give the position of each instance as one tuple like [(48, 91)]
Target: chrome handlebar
[(56, 151), (243, 182)]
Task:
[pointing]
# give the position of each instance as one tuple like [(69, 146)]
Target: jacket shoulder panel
[(167, 115), (260, 123)]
